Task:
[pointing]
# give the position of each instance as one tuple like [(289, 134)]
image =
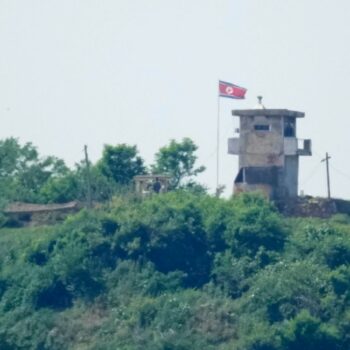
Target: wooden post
[(328, 177)]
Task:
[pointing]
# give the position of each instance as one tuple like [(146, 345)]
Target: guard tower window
[(262, 127), (289, 127)]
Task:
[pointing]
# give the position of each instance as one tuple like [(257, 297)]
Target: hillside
[(177, 271)]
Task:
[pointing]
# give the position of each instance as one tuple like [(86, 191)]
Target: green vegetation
[(23, 173), (25, 176), (121, 163), (178, 160), (180, 270), (177, 271)]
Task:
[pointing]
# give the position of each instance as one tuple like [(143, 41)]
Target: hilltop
[(179, 270), (182, 270)]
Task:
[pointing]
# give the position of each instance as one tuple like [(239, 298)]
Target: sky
[(95, 72)]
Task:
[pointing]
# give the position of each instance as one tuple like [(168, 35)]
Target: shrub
[(254, 224), (167, 230)]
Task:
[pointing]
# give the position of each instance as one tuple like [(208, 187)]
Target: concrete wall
[(233, 145), (272, 146), (38, 218), (266, 190), (261, 148), (290, 175), (290, 146)]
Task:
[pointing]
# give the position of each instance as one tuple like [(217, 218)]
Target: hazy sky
[(146, 71)]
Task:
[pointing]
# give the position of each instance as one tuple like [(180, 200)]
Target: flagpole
[(218, 145), (225, 90)]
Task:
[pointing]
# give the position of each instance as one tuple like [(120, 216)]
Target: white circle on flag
[(229, 90)]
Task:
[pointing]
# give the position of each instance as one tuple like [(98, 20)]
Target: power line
[(310, 174), (340, 172), (211, 155), (333, 167)]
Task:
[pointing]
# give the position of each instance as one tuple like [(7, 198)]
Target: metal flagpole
[(232, 91), (88, 177), (218, 146)]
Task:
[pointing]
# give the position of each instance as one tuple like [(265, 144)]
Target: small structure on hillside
[(151, 184), (29, 214), (268, 151)]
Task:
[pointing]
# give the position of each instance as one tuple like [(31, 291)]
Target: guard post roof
[(267, 113)]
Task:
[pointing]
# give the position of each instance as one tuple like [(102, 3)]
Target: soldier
[(157, 186)]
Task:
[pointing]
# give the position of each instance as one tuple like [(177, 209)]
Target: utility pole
[(328, 179), (88, 178)]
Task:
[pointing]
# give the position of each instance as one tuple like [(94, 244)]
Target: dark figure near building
[(157, 186), (289, 130), (147, 184)]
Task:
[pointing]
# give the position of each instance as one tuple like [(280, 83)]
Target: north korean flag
[(231, 90)]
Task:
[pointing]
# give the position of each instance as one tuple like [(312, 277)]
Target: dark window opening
[(289, 128), (262, 127), (258, 175), (239, 177), (26, 217)]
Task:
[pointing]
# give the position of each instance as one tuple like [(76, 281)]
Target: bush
[(254, 224), (167, 230), (232, 274), (282, 290), (179, 270), (309, 333)]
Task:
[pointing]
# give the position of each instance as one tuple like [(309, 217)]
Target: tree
[(310, 333), (62, 189), (23, 172), (121, 163), (178, 160)]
